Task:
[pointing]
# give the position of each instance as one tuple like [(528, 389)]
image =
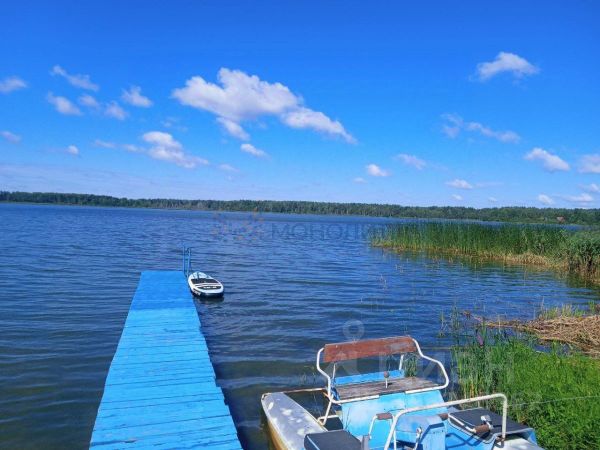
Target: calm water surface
[(67, 276)]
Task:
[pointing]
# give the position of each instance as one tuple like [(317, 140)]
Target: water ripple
[(67, 276)]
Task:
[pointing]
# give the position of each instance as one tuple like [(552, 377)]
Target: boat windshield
[(204, 280)]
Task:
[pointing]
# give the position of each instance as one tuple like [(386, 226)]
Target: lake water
[(67, 276)]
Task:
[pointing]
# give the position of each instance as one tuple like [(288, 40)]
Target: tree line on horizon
[(499, 214)]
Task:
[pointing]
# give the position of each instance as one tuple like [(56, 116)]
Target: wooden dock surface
[(160, 391)]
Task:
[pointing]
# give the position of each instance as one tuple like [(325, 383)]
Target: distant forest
[(503, 214)]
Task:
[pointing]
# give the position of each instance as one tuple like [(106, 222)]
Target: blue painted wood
[(160, 391)]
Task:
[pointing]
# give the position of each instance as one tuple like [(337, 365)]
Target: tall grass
[(576, 252), (583, 253), (555, 393)]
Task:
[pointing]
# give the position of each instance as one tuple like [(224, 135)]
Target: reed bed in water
[(567, 325), (555, 247), (556, 392)]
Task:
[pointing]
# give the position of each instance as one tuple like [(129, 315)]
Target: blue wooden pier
[(160, 391)]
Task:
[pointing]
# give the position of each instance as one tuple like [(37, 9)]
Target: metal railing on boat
[(445, 405)]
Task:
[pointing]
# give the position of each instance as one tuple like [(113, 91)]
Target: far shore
[(504, 214)]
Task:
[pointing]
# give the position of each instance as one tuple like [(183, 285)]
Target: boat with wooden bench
[(392, 404)]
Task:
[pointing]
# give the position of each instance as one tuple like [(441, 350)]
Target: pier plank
[(160, 390)]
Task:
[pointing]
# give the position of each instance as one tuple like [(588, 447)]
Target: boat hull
[(208, 294), (275, 440), (288, 422)]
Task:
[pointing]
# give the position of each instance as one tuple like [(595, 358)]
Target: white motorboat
[(204, 285)]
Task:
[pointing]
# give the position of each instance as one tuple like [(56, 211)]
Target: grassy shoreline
[(550, 387), (556, 248)]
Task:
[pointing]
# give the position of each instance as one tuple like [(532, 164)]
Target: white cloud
[(134, 97), (411, 160), (104, 144), (80, 81), (241, 97), (63, 105), (545, 199), (252, 150), (73, 150), (459, 184), (375, 171), (502, 136), (227, 168), (10, 84), (452, 131), (307, 118), (111, 109), (591, 188), (550, 162), (492, 200), (114, 110), (582, 198), (233, 128), (514, 64), (89, 101), (457, 197), (132, 148), (590, 163), (164, 147), (487, 184), (174, 123), (113, 145), (359, 180), (455, 124), (10, 137)]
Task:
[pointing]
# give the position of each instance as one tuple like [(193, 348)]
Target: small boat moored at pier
[(394, 404), (203, 285)]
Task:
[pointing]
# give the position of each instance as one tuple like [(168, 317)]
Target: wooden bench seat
[(345, 351), (395, 385)]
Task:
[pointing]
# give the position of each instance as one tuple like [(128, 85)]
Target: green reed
[(560, 248), (583, 253)]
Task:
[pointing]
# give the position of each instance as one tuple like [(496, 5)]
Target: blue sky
[(422, 103)]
